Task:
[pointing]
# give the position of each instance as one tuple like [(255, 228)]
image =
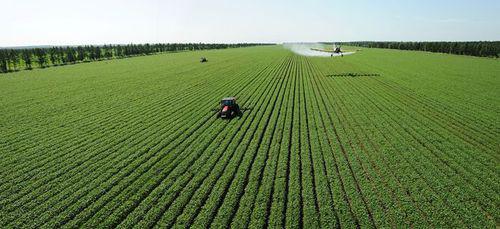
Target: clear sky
[(73, 22)]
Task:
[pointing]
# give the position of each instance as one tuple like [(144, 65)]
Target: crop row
[(452, 198), (117, 160), (310, 151)]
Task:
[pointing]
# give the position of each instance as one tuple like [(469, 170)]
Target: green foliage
[(411, 141), (9, 58), (471, 48)]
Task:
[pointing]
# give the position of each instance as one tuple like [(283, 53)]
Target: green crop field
[(380, 138)]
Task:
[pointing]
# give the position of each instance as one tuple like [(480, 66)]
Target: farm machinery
[(229, 108), (337, 50)]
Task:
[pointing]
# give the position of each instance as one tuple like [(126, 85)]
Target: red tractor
[(229, 108)]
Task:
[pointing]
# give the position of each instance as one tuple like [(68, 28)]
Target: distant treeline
[(18, 59), (471, 48)]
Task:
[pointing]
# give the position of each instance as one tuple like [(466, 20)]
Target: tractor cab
[(229, 108), (228, 101)]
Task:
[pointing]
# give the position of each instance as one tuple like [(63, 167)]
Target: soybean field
[(376, 139)]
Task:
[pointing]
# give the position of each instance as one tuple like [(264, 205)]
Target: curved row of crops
[(135, 143)]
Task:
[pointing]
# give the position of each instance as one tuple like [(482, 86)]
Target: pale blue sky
[(71, 22)]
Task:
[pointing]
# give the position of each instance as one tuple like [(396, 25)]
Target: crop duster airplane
[(335, 50)]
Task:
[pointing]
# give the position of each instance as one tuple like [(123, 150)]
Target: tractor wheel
[(237, 109)]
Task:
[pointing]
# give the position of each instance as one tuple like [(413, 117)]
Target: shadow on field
[(352, 74)]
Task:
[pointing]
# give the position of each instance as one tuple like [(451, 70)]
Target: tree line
[(471, 48), (18, 59)]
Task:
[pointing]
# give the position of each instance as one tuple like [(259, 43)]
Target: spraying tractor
[(229, 108)]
